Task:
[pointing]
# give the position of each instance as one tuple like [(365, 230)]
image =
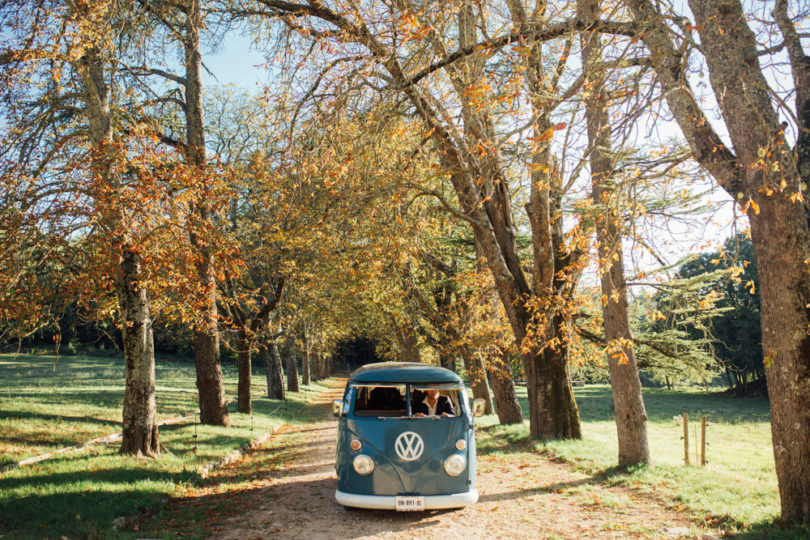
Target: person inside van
[(433, 405), (386, 399)]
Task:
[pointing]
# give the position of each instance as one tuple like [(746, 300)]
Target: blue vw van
[(397, 452)]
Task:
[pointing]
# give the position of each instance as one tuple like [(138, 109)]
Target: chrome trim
[(388, 502)]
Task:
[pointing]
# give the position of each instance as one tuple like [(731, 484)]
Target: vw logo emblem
[(409, 446)]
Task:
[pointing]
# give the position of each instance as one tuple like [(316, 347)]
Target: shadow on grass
[(80, 504), (497, 439), (775, 530), (100, 398), (595, 404), (108, 477), (28, 415)]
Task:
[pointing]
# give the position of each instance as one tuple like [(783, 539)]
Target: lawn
[(47, 403), (737, 488)]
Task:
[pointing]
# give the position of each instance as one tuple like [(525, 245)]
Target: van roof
[(403, 372)]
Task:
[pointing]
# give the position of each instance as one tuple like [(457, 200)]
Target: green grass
[(48, 403), (737, 489)]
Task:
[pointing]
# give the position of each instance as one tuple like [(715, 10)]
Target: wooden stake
[(703, 440), (686, 438)]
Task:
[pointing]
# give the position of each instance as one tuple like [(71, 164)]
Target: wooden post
[(686, 438), (703, 440)]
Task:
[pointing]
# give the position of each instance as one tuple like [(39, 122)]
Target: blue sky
[(235, 62)]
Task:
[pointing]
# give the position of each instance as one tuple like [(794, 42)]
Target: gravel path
[(522, 495)]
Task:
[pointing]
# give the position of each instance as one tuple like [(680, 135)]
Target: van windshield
[(381, 400), (409, 400)]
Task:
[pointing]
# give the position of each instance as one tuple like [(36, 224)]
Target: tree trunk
[(552, 409), (140, 430), (306, 365), (785, 320), (245, 375), (329, 366), (139, 416), (292, 367), (314, 365), (210, 384), (630, 414), (275, 376), (503, 386), (771, 192), (320, 365)]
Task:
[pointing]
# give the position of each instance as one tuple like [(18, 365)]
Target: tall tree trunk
[(785, 290), (772, 193), (329, 365), (628, 404), (292, 367), (245, 404), (503, 386), (306, 361), (553, 412), (139, 415), (275, 375), (210, 384), (140, 430)]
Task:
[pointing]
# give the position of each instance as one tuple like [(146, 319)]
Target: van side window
[(386, 400)]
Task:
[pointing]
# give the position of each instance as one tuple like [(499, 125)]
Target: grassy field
[(48, 403), (737, 488)]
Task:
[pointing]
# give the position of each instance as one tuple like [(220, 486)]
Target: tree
[(736, 326), (291, 364), (111, 173), (467, 151), (764, 174), (86, 59), (184, 22), (210, 384), (252, 291), (630, 414)]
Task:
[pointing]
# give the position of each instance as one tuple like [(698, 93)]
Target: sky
[(236, 62)]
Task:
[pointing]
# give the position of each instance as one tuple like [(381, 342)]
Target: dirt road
[(522, 495)]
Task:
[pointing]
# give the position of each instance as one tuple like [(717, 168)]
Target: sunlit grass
[(48, 403), (738, 485)]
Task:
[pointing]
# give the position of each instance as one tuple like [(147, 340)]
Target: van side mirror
[(479, 405), (337, 407)]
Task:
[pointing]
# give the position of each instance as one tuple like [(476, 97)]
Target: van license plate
[(410, 504)]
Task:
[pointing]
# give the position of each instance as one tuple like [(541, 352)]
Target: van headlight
[(363, 464), (455, 464)]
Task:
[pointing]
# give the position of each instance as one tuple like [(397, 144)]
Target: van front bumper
[(388, 502)]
